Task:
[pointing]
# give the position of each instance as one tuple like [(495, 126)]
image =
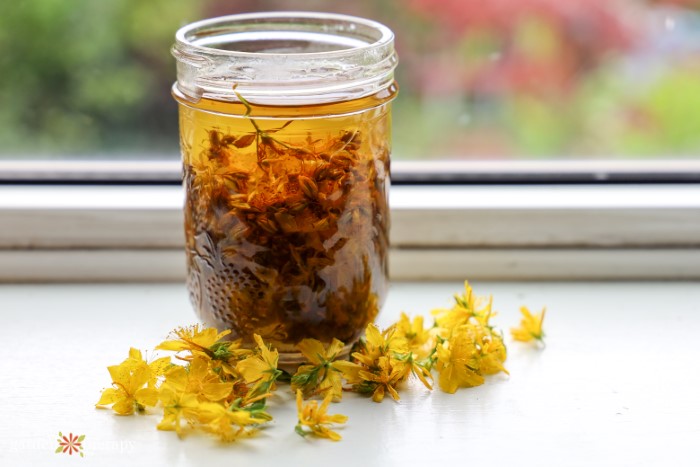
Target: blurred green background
[(503, 79)]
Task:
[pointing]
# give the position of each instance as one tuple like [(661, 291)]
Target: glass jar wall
[(285, 135)]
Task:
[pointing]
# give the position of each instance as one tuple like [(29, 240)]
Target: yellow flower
[(315, 418), (206, 342), (383, 361), (194, 339), (530, 326), (260, 368), (457, 362), (323, 374), (158, 367), (467, 306), (129, 393), (493, 353), (379, 344), (225, 356), (382, 379), (418, 339), (228, 425), (197, 380), (176, 406), (407, 365)]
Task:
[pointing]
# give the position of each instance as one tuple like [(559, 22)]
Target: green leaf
[(60, 434), (58, 449), (285, 377), (255, 406), (300, 431), (365, 387), (81, 438), (306, 378)]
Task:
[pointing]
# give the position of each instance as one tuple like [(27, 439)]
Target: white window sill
[(131, 233), (604, 391)]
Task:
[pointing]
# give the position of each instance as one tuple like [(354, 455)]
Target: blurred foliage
[(81, 76), (500, 79)]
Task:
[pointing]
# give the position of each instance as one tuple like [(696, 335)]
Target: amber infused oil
[(286, 219), (286, 148)]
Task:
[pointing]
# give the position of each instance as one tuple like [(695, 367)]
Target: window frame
[(453, 172), (130, 229)]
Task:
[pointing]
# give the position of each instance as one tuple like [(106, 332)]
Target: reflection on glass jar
[(285, 134)]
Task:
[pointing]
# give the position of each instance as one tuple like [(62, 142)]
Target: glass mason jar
[(285, 137)]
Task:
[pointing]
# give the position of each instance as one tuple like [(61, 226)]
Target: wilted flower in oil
[(313, 418), (530, 326)]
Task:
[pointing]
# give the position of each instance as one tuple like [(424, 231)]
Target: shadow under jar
[(285, 137)]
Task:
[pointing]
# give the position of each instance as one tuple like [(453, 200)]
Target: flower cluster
[(461, 346), (221, 388)]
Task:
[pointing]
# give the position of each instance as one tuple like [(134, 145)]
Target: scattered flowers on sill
[(218, 387)]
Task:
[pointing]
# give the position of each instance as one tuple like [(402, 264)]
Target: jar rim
[(185, 35), (284, 58)]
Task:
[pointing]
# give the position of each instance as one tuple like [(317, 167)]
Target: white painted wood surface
[(422, 216), (158, 265), (616, 385), (117, 233)]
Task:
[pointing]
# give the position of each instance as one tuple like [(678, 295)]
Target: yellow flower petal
[(160, 366), (146, 396), (349, 370), (124, 406), (120, 374), (447, 381), (252, 369), (176, 377), (378, 394), (334, 349), (172, 345), (373, 336), (312, 350), (135, 354), (109, 396), (216, 391)]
